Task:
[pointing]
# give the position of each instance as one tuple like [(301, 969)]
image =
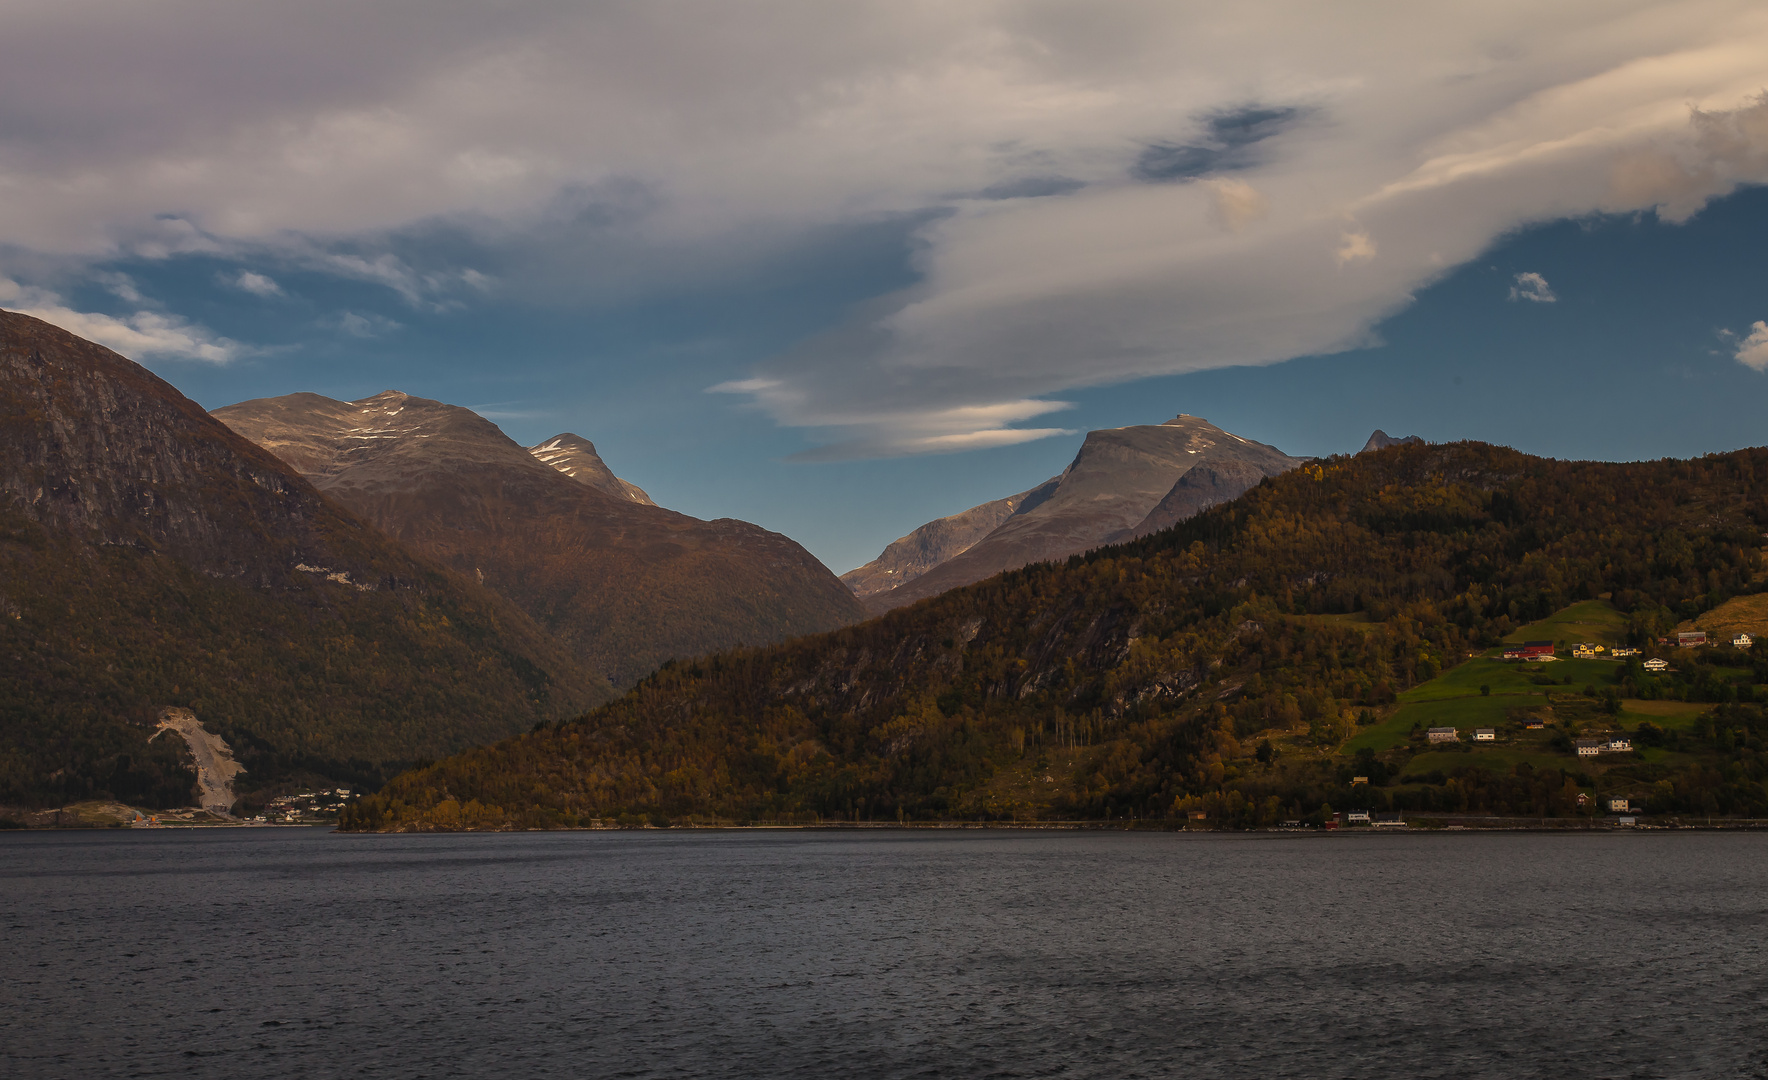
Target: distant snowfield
[(215, 767)]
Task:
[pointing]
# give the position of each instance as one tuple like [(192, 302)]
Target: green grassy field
[(1453, 699), (1463, 712), (1500, 759), (1665, 714), (1592, 620), (1510, 677)]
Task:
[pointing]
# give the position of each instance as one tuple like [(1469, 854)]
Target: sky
[(841, 269)]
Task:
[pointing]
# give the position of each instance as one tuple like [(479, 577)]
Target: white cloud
[(254, 283), (139, 336), (1752, 351), (1215, 185), (121, 286), (1237, 203), (1354, 247), (1532, 286)]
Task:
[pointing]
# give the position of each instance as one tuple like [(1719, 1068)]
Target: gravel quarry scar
[(215, 767)]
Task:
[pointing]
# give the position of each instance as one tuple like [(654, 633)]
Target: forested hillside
[(1219, 666)]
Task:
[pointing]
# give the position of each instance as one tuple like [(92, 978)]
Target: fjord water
[(300, 953)]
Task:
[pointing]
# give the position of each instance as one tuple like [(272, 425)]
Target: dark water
[(295, 953)]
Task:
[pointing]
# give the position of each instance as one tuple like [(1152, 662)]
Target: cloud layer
[(144, 334), (1111, 189)]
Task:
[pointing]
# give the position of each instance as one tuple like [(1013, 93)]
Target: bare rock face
[(1110, 493), (1208, 484), (625, 585), (1381, 440), (575, 456), (151, 557), (909, 557)]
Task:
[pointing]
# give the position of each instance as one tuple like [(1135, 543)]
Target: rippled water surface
[(299, 953)]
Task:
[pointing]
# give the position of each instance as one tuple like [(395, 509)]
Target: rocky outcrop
[(1112, 491), (1381, 440), (215, 767), (623, 584)]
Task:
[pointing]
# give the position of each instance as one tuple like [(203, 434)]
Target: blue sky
[(842, 271), (1629, 361)]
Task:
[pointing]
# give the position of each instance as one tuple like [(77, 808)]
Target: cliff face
[(151, 557), (624, 585), (1112, 491)]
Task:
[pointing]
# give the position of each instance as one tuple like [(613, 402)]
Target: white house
[(1618, 745), (1742, 641), (1590, 747), (1357, 815), (1485, 734), (1654, 664), (1443, 734)]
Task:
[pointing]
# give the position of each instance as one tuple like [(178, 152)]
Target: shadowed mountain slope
[(1111, 491), (624, 585), (1216, 667), (151, 557)]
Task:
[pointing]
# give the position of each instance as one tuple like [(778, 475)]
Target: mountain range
[(340, 588), (151, 557), (623, 584), (1124, 483), (1225, 668)]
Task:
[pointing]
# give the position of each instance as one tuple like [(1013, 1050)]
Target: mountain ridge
[(1113, 490), (624, 585)]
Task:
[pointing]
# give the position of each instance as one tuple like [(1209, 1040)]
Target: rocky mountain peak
[(1123, 483), (1381, 440), (576, 457), (623, 583)]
